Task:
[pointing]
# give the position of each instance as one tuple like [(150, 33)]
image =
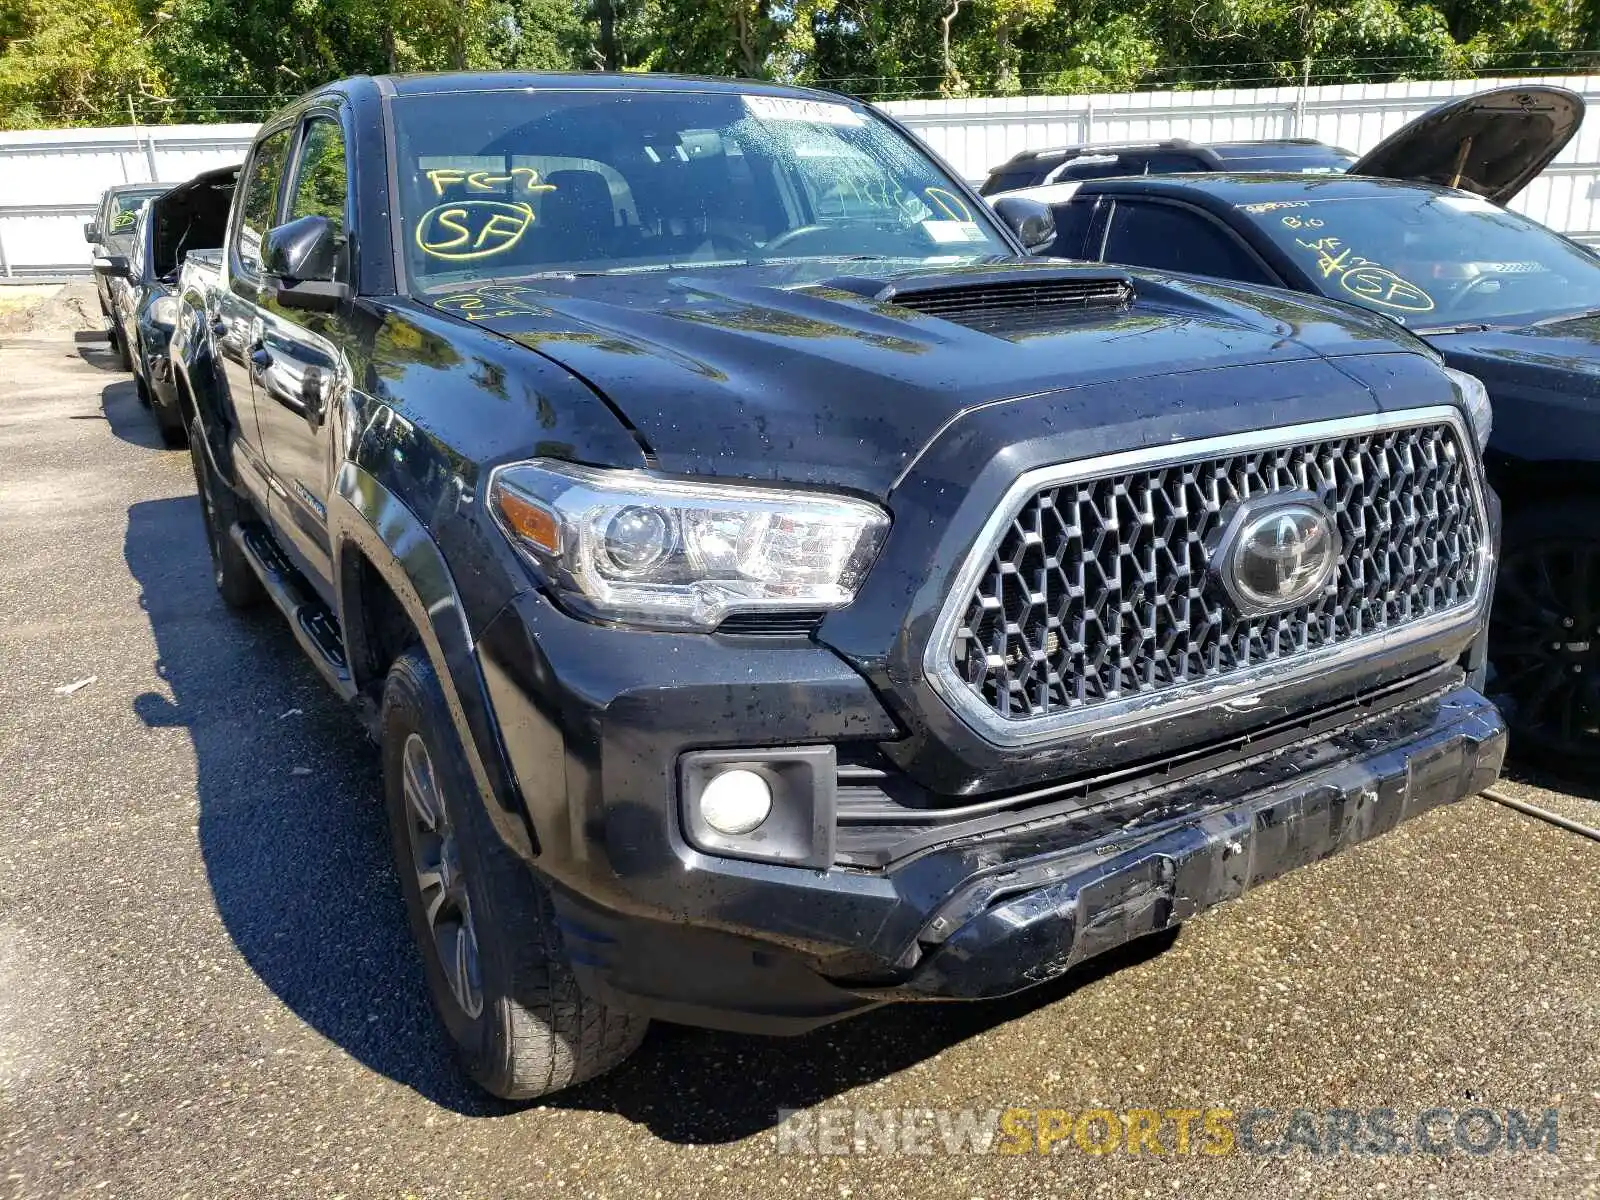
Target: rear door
[(299, 363), (236, 325)]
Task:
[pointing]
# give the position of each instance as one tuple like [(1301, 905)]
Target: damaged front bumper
[(783, 950), (1029, 922)]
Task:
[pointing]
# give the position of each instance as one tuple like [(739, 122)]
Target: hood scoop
[(1009, 304)]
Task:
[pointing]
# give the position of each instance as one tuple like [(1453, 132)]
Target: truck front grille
[(1092, 591)]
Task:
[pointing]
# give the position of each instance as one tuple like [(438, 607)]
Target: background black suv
[(1032, 167)]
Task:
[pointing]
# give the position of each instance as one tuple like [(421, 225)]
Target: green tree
[(72, 64), (531, 35), (80, 62)]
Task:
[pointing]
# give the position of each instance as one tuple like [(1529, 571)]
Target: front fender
[(366, 518)]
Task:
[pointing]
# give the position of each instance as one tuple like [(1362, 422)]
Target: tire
[(220, 510), (168, 422), (120, 345), (142, 389), (1544, 634), (506, 996)]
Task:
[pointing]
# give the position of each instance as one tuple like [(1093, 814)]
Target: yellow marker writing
[(445, 177), (1379, 285), (472, 229), (953, 206), (451, 219)]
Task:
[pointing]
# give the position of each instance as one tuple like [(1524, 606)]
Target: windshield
[(125, 208), (1431, 258), (496, 185)]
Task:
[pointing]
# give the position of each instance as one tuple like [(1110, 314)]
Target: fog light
[(735, 802)]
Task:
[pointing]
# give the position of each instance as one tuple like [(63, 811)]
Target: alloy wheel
[(441, 882), (1544, 642)]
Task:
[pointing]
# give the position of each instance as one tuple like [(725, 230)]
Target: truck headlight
[(164, 311), (1476, 398), (633, 547)]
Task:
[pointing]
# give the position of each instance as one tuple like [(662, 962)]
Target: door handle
[(302, 388), (314, 391)]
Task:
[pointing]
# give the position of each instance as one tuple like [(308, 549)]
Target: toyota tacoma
[(775, 595)]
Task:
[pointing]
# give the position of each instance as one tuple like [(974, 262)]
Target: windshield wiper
[(677, 266), (1464, 327), (785, 259)]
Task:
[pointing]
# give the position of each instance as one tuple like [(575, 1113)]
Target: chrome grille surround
[(1078, 652)]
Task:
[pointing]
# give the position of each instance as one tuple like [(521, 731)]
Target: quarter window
[(1072, 227), (322, 179)]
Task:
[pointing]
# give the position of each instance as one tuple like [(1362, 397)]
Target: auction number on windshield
[(1365, 279)]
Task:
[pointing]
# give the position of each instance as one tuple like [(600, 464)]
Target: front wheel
[(169, 423), (120, 345), (1544, 633), (497, 970)]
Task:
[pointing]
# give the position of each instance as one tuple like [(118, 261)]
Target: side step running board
[(315, 627)]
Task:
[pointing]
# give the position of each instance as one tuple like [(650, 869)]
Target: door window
[(1170, 238), (321, 183), (1072, 227), (258, 202)]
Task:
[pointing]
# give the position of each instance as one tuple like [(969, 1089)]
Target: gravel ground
[(206, 987), (63, 308)]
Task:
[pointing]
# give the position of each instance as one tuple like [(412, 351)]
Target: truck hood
[(809, 373), (1493, 143)]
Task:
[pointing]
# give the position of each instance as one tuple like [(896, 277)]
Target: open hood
[(192, 216), (1493, 143)]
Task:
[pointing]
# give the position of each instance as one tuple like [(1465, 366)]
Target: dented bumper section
[(1032, 921), (776, 949)]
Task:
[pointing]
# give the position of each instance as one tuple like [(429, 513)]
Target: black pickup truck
[(184, 222), (775, 595)]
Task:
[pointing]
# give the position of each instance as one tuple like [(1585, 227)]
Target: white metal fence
[(50, 180)]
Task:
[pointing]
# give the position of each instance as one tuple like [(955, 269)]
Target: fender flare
[(365, 516)]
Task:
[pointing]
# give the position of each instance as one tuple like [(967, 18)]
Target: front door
[(237, 322), (299, 367)]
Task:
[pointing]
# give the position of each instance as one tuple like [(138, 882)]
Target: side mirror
[(91, 232), (302, 256), (113, 265), (305, 248), (1030, 220)]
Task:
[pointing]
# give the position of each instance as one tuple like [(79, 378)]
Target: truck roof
[(440, 83)]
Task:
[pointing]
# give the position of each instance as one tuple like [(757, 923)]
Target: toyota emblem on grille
[(1277, 552)]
